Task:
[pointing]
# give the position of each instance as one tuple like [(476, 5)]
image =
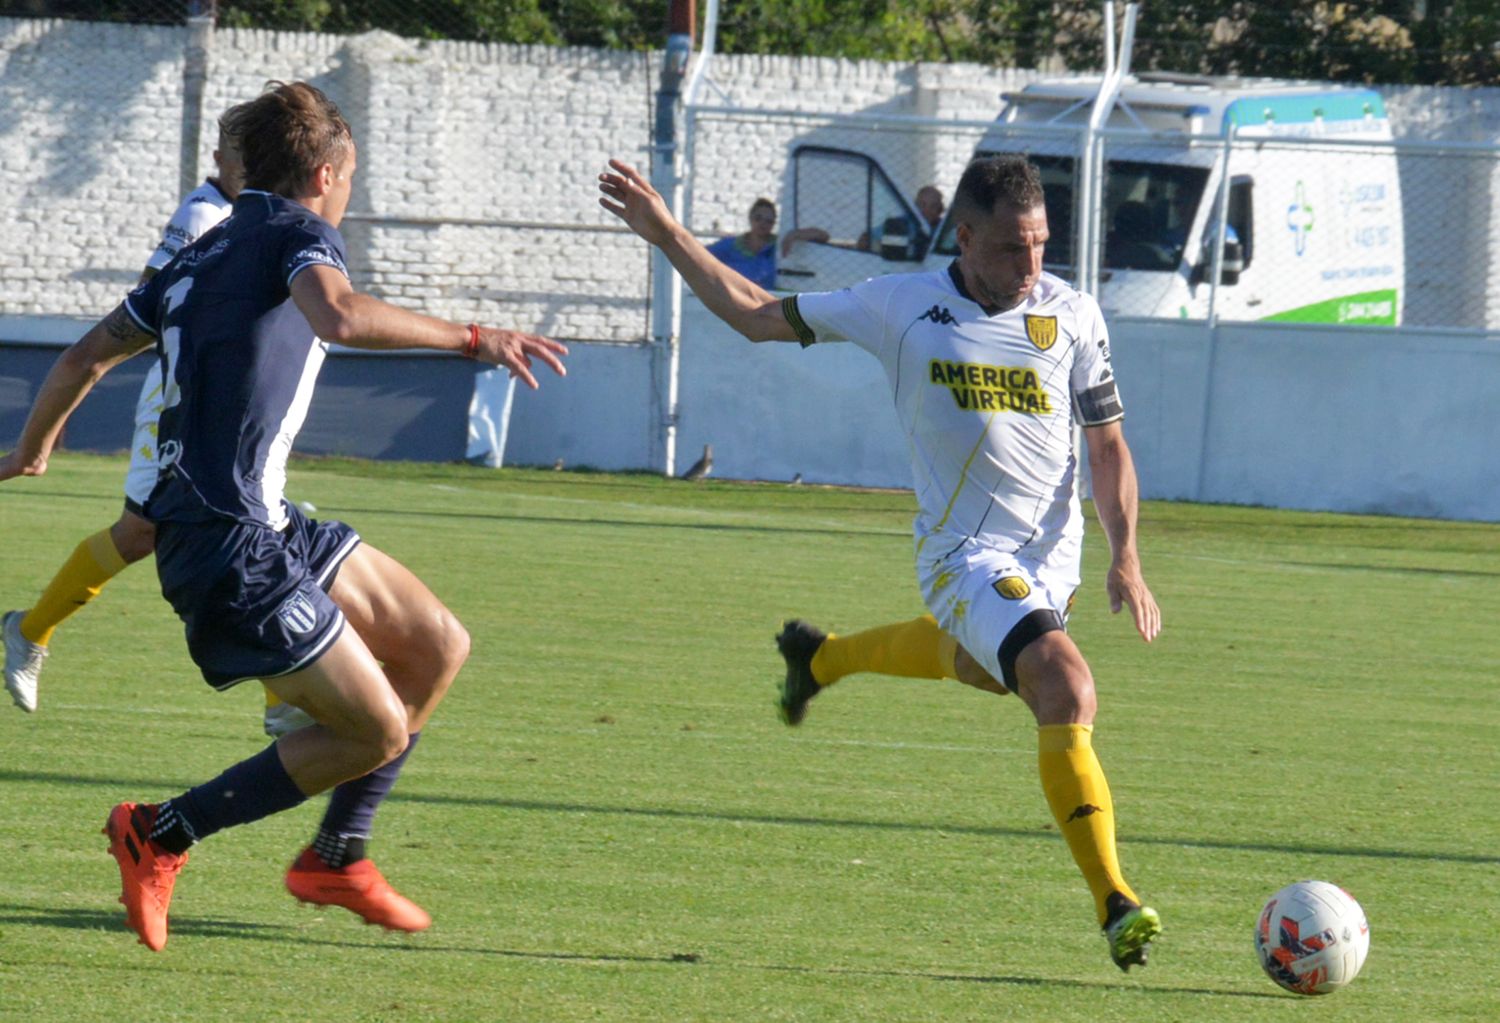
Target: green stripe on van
[(1369, 307), (1352, 105)]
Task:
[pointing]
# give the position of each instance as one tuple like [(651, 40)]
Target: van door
[(871, 227)]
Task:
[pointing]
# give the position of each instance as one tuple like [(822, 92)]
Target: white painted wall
[(1388, 422), (1293, 416), (465, 147)]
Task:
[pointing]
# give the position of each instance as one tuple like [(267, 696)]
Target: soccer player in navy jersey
[(264, 592), (102, 556)]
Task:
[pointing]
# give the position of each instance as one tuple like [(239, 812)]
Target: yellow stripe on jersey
[(959, 486)]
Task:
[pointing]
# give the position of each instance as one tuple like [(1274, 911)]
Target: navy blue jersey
[(239, 358)]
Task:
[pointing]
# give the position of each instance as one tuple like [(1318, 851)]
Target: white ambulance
[(1313, 213)]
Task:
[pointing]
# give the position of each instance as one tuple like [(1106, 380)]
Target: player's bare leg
[(1055, 682), (362, 723), (363, 726), (421, 646), (134, 536), (419, 641), (970, 673)]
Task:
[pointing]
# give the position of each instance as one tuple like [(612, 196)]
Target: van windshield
[(1148, 214)]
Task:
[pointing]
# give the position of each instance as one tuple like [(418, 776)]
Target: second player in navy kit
[(329, 624)]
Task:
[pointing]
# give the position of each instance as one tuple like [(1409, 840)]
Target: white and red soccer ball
[(1312, 938)]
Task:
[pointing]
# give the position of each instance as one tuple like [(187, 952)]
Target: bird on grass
[(703, 466)]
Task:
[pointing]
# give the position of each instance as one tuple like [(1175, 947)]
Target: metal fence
[(476, 162), (1322, 228)]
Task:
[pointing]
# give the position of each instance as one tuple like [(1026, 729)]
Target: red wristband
[(471, 350)]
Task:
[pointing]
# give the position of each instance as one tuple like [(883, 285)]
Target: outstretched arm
[(340, 314), (747, 307), (107, 344), (803, 234), (1116, 499)]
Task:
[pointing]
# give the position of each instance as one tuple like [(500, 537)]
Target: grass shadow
[(750, 817), (204, 927)]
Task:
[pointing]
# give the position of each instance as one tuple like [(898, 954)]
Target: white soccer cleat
[(282, 718), (23, 662)]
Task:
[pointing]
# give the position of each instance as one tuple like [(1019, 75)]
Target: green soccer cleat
[(1130, 934), (797, 641)]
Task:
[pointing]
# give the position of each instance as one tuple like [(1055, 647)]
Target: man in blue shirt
[(263, 591)]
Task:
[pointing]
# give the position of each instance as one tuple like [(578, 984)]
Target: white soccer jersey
[(204, 207), (988, 403)]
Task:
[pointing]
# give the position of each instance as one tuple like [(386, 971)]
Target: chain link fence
[(1331, 228), (472, 200)]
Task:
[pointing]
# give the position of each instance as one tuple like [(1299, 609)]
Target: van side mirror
[(1230, 270), (896, 242)]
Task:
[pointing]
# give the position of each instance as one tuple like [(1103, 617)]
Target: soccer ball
[(1312, 938)]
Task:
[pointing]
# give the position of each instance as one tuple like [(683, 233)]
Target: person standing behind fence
[(991, 363), (107, 553), (753, 254), (263, 591)]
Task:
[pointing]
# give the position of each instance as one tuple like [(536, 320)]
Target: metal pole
[(1216, 274), (200, 40), (1091, 179), (666, 286)]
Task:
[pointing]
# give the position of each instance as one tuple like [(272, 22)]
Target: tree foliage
[(1388, 41)]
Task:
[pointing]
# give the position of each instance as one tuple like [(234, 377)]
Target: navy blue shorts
[(255, 602)]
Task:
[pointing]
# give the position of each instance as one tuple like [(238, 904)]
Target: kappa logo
[(1042, 330), (1013, 587), (938, 314), (1086, 810), (297, 614)]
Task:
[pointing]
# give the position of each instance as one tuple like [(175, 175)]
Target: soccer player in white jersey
[(991, 362), (102, 556)]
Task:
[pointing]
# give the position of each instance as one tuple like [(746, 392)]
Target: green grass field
[(607, 821)]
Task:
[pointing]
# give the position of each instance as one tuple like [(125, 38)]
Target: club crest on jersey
[(1042, 330), (1013, 587), (297, 614)]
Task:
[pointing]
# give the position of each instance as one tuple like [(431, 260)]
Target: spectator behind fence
[(929, 203), (753, 254)]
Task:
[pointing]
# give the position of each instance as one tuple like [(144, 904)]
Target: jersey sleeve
[(191, 221), (144, 302), (312, 243), (852, 314), (1096, 398)]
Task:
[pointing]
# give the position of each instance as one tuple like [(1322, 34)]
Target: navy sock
[(351, 810), (248, 791)]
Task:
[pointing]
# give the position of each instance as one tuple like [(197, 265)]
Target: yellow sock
[(93, 563), (1079, 797), (271, 698), (915, 649)]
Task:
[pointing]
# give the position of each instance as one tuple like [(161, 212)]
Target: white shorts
[(979, 594), (140, 478)]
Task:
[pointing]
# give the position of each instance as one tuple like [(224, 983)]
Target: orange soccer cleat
[(359, 888), (147, 871)]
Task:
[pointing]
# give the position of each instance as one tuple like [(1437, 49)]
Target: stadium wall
[(469, 152), (474, 198), (1375, 420)]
